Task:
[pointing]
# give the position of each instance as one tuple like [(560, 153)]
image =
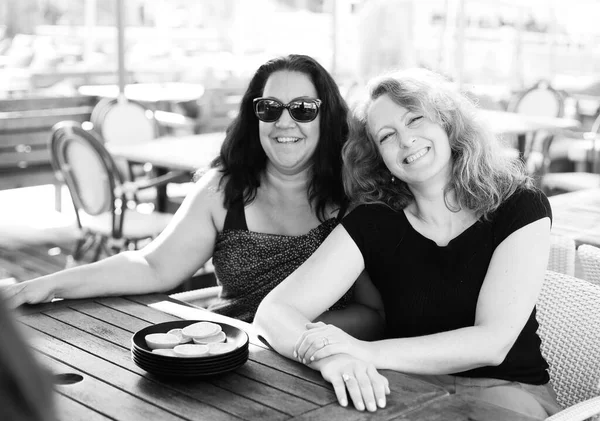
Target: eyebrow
[(402, 118)]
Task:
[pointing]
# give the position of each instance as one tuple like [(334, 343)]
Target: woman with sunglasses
[(454, 236), (272, 196)]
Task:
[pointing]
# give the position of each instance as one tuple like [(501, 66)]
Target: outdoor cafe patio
[(161, 126)]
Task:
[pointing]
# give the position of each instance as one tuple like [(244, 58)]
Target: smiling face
[(288, 144), (414, 148)]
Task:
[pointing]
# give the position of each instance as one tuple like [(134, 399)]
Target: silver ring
[(346, 377), (325, 342)]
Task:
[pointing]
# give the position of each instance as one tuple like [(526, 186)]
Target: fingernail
[(312, 358), (303, 361), (381, 403), (361, 407), (371, 406), (295, 354), (344, 402)]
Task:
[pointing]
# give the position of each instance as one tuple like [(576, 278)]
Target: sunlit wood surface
[(92, 339)]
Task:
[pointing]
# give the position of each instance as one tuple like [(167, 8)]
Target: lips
[(415, 156)]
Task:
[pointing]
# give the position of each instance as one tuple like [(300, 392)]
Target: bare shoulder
[(207, 197)]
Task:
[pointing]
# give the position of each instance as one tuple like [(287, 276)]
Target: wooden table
[(92, 339), (577, 215), (185, 153)]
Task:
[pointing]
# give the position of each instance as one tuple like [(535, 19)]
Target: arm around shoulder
[(309, 291)]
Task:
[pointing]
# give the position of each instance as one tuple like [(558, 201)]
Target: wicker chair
[(589, 256), (569, 318), (562, 255)]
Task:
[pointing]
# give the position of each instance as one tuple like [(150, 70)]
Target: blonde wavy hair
[(483, 177)]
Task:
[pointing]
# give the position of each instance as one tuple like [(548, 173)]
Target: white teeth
[(287, 139), (414, 157)]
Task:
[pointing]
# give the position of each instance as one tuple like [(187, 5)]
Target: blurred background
[(187, 63), (490, 47)]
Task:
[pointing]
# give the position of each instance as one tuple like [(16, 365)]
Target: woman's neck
[(432, 202), (288, 188)]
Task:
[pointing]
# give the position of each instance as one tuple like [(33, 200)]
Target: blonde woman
[(455, 238)]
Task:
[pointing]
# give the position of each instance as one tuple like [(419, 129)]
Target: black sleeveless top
[(248, 265)]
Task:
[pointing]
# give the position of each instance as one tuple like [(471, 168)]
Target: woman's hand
[(366, 387), (321, 340), (31, 292)]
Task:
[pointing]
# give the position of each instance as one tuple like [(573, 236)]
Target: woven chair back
[(568, 312), (589, 257)]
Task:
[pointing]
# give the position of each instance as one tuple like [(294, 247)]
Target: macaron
[(220, 348), (191, 350), (217, 338), (182, 338), (201, 330), (161, 340), (165, 352)]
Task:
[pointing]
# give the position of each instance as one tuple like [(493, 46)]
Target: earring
[(393, 180)]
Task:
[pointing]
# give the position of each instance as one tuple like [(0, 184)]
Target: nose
[(406, 140), (285, 120)]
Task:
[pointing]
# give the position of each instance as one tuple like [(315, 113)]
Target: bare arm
[(176, 254), (507, 297), (506, 300), (309, 291)]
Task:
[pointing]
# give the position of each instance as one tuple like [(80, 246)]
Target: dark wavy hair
[(242, 159), (482, 175)]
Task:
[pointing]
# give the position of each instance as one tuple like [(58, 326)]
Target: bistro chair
[(100, 194), (562, 255), (589, 257), (569, 318), (562, 182), (125, 121), (539, 100)]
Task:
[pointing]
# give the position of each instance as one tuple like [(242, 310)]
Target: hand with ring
[(321, 340), (352, 377)]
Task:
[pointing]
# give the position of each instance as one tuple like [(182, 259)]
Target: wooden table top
[(92, 339), (577, 215)]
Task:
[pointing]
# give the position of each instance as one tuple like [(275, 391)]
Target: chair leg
[(99, 249), (83, 245)]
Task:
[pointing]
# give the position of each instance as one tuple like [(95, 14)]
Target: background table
[(187, 153), (180, 153), (507, 123), (92, 339), (577, 215)]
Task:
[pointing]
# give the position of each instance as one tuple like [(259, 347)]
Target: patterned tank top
[(248, 265)]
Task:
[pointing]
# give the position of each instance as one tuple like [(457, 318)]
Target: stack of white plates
[(205, 365)]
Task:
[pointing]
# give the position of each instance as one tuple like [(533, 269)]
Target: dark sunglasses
[(302, 110)]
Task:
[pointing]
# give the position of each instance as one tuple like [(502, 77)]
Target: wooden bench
[(25, 130)]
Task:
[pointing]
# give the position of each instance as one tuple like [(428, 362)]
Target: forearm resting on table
[(358, 320), (125, 273), (441, 353), (281, 325)]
